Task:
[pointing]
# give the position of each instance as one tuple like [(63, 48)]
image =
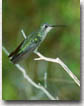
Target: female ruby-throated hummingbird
[(31, 43)]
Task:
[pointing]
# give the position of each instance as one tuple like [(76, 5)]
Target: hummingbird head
[(47, 27)]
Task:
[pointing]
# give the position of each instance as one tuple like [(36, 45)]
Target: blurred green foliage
[(62, 42)]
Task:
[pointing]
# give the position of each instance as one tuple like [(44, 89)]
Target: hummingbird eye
[(46, 26)]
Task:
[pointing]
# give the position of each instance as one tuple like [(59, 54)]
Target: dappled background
[(61, 42)]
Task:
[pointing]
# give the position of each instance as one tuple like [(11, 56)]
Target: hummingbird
[(31, 43)]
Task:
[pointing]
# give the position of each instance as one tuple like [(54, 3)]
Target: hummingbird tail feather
[(13, 60), (16, 58)]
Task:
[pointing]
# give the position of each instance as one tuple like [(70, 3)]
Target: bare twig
[(38, 86), (45, 79), (57, 60), (23, 34)]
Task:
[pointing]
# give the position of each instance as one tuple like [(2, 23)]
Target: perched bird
[(31, 43)]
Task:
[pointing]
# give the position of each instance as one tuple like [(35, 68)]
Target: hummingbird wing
[(16, 50), (24, 49), (19, 47)]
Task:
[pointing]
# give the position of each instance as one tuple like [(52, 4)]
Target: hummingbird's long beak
[(58, 25)]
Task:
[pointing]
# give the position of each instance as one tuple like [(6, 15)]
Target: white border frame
[(66, 103)]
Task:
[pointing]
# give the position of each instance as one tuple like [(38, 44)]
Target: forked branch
[(57, 60)]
